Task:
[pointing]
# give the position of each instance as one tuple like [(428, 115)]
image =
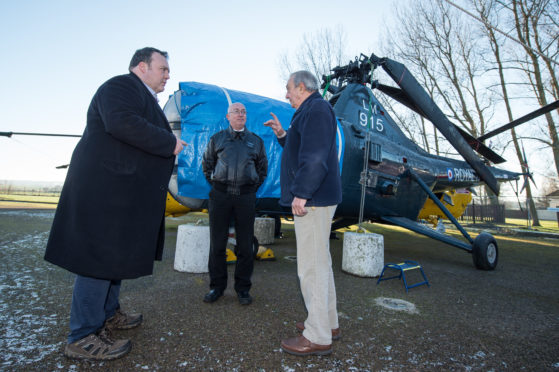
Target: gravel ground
[(468, 320)]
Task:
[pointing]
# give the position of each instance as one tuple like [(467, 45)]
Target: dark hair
[(144, 55)]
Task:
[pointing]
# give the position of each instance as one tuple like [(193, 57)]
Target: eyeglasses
[(238, 112)]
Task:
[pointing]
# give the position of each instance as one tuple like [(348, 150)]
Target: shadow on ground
[(468, 320)]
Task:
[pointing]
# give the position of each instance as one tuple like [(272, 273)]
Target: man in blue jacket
[(311, 186), (109, 224)]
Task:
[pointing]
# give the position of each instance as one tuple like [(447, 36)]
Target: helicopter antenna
[(365, 172), (501, 32)]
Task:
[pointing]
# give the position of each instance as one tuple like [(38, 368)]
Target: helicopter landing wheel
[(485, 252)]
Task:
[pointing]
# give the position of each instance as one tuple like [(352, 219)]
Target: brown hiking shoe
[(98, 346), (121, 320)]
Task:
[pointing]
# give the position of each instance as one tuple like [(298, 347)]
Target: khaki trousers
[(314, 268)]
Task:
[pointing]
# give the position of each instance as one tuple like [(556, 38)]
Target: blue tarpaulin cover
[(202, 113), (202, 109)]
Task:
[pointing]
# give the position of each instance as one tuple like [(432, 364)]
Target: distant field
[(28, 201), (50, 202)]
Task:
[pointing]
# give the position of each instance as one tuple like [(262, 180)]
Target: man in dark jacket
[(311, 186), (109, 224), (235, 164)]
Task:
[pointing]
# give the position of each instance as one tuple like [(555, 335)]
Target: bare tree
[(535, 23), (487, 9), (467, 68), (439, 46), (318, 53)]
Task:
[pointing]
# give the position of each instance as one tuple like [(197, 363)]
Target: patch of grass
[(11, 201), (550, 226), (521, 224), (29, 198)]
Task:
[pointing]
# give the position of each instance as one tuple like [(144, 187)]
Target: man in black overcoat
[(109, 224)]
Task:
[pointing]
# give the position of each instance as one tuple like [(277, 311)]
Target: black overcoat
[(109, 223)]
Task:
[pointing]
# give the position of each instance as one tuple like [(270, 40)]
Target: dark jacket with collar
[(309, 163), (109, 223), (235, 162)]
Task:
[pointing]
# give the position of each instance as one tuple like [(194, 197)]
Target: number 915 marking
[(377, 124)]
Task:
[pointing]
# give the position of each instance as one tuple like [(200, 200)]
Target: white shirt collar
[(152, 92)]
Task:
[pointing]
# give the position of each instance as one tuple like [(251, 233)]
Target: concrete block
[(193, 249), (264, 230), (363, 254)]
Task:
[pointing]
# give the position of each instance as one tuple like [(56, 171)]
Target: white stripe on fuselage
[(227, 96)]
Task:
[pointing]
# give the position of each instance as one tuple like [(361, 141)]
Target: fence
[(484, 213)]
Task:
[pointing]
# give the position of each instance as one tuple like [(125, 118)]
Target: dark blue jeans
[(93, 301)]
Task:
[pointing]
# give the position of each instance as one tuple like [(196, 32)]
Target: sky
[(58, 52)]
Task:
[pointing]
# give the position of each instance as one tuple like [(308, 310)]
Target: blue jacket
[(309, 163)]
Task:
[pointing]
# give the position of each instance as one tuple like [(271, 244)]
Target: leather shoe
[(244, 298), (301, 346), (213, 295), (336, 333)]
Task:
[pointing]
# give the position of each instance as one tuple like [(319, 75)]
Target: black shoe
[(213, 295), (244, 298)]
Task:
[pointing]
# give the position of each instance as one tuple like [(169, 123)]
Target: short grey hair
[(305, 77), (233, 104)]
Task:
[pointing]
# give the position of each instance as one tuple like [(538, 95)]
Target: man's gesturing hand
[(179, 146), (275, 125)]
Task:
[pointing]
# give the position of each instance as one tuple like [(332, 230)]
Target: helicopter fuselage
[(389, 190)]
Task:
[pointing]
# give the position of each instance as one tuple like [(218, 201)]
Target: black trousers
[(222, 208)]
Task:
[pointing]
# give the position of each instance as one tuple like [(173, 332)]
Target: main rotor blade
[(480, 148), (9, 134), (399, 96), (474, 143), (522, 120), (405, 80)]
